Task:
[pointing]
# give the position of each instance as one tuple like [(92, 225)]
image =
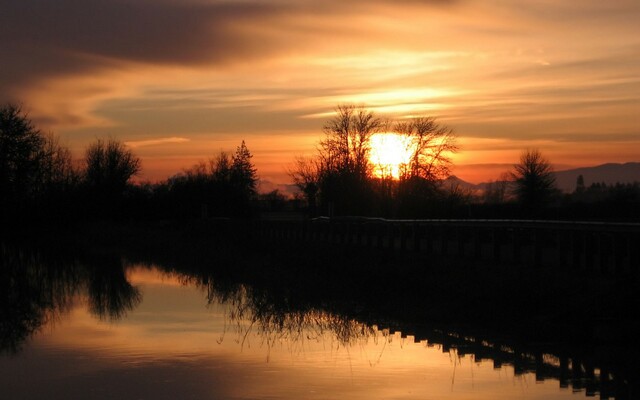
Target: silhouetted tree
[(243, 180), (346, 145), (21, 150), (35, 170), (110, 166), (243, 174), (220, 167), (345, 168), (306, 175), (533, 181), (430, 144), (419, 184), (57, 164)]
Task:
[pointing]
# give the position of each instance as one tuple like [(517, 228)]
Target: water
[(115, 329)]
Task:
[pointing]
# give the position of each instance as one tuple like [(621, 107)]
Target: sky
[(181, 80)]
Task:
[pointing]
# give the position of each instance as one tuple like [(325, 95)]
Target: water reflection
[(110, 293), (251, 311), (34, 292), (42, 288)]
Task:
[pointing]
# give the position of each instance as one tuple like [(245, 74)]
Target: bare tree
[(33, 166), (305, 174), (110, 166), (430, 144), (346, 145), (533, 180), (58, 169), (220, 167), (21, 145), (343, 157)]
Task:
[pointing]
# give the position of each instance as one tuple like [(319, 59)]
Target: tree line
[(342, 179), (40, 181)]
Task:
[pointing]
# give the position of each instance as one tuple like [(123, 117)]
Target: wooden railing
[(595, 246)]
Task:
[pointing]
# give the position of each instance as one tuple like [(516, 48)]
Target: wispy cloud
[(154, 142), (177, 70)]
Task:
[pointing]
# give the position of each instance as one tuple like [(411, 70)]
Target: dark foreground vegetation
[(41, 183)]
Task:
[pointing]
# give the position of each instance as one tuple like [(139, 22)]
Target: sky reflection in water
[(172, 344)]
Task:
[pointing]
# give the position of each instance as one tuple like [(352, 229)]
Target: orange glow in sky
[(563, 77)]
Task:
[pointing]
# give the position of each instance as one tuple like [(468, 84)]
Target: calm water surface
[(144, 333)]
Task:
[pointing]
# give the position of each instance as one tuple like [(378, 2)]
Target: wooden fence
[(594, 246)]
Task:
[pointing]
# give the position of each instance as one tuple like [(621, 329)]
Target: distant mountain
[(608, 173), (455, 182), (288, 190)]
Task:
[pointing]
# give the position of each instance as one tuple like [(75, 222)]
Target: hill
[(608, 173)]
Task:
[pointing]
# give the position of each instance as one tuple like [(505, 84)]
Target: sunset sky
[(181, 80)]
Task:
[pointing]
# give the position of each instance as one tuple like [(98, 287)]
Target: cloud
[(154, 142), (46, 38), (135, 30), (69, 36), (49, 44), (520, 70)]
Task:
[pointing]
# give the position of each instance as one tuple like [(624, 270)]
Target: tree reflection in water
[(252, 311), (35, 290), (38, 287), (111, 295), (276, 317)]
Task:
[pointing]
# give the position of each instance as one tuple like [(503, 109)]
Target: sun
[(390, 152)]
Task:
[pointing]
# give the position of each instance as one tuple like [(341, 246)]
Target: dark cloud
[(139, 31), (40, 38)]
